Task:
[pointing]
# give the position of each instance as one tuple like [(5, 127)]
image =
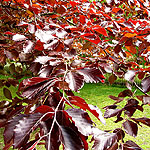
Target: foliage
[(62, 45)]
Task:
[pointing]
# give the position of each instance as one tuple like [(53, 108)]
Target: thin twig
[(54, 120), (134, 83), (53, 123)]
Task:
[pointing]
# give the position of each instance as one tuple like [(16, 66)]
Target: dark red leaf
[(144, 99), (44, 109), (60, 9), (110, 107), (112, 112), (125, 93), (146, 84), (129, 75), (143, 120), (131, 107), (13, 82), (112, 79), (78, 101), (141, 75), (39, 45), (12, 55), (117, 10), (7, 93), (24, 127), (131, 49), (117, 99), (118, 48), (130, 127), (114, 146), (31, 145), (91, 74), (70, 139), (103, 140), (32, 81), (130, 145), (82, 19), (82, 120), (35, 86), (54, 142), (131, 102), (91, 37), (38, 89), (75, 80), (100, 30), (120, 133), (9, 129)]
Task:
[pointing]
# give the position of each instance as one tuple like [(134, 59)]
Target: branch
[(48, 14), (134, 83), (8, 6), (68, 21)]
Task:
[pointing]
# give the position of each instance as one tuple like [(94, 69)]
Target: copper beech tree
[(60, 45)]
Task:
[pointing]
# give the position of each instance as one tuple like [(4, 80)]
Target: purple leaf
[(118, 48), (52, 45), (43, 59), (97, 113), (130, 145), (7, 93), (55, 135), (68, 42), (33, 81), (117, 99), (82, 120), (103, 140), (125, 93), (146, 84), (35, 86), (112, 78), (9, 129), (120, 133), (130, 127), (70, 139), (131, 106), (144, 99), (129, 76), (78, 101), (143, 120), (24, 127), (110, 107), (112, 112), (91, 74), (75, 80), (28, 46)]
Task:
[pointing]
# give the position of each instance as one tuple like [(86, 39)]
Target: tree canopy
[(60, 45)]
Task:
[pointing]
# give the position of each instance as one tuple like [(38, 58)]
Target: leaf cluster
[(60, 45)]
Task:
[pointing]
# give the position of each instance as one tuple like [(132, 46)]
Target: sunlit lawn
[(97, 94)]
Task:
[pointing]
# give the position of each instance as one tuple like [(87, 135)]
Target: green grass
[(97, 94)]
